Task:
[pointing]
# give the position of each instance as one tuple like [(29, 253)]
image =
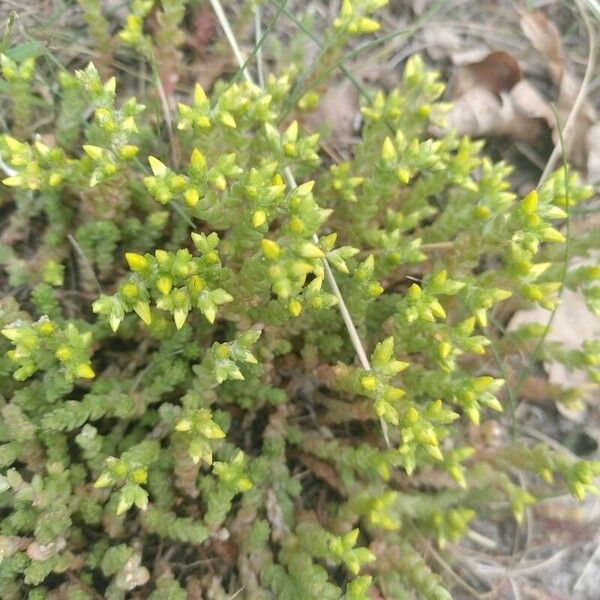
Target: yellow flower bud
[(220, 183), (411, 416), (529, 203), (375, 289), (130, 291), (367, 25), (94, 152), (137, 262), (444, 349), (199, 95), (223, 351), (162, 256), (297, 224), (55, 179), (403, 174), (63, 354), (482, 212), (180, 315), (158, 168), (196, 285), (388, 152), (191, 196), (164, 285), (316, 303), (270, 249), (368, 383), (139, 476), (183, 425), (258, 218), (143, 311), (295, 307), (226, 119), (413, 292), (46, 328), (437, 309), (128, 152), (85, 371), (309, 250), (552, 235)]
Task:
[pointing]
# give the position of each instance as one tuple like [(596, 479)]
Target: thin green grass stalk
[(306, 76), (408, 32), (260, 71), (361, 89), (345, 313), (355, 82)]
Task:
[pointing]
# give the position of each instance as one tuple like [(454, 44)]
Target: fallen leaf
[(545, 38), (480, 112), (498, 72), (581, 146), (573, 324), (531, 104), (490, 98)]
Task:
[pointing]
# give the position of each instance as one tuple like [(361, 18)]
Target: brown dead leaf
[(531, 104), (476, 113), (545, 38), (581, 147), (491, 99), (497, 72), (479, 112)]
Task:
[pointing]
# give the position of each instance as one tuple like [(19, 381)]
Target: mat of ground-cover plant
[(516, 73)]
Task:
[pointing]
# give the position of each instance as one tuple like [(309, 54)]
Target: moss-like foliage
[(178, 383)]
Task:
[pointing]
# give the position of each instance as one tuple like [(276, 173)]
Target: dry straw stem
[(346, 317)]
